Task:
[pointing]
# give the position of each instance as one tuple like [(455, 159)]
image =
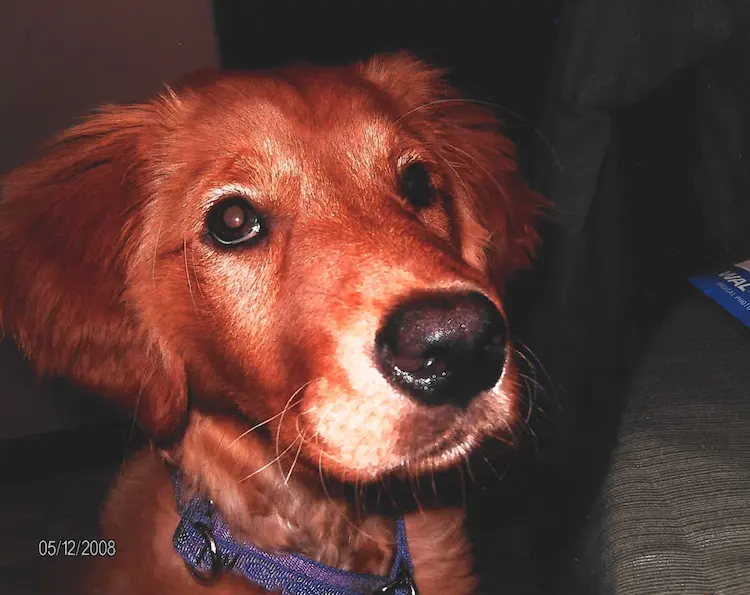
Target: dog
[(293, 280)]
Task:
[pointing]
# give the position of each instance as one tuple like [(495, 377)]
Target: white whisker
[(259, 425), (294, 462), (269, 463), (287, 405)]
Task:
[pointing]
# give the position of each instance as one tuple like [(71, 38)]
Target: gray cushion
[(673, 516)]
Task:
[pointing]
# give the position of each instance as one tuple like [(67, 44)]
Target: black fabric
[(722, 180), (647, 112), (612, 55), (673, 513)]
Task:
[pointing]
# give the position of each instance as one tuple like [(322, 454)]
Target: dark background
[(498, 52)]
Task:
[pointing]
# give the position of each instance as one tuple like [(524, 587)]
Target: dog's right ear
[(68, 223)]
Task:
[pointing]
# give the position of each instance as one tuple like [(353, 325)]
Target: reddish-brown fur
[(107, 280)]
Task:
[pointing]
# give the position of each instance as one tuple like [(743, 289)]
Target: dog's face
[(322, 250)]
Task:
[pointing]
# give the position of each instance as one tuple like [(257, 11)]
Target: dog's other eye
[(234, 221), (416, 185)]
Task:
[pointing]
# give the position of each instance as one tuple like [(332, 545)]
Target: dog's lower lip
[(452, 439)]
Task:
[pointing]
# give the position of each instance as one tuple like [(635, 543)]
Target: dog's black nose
[(443, 348)]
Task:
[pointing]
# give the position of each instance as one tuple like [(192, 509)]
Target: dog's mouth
[(422, 445)]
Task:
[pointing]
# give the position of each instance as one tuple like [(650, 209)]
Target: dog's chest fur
[(140, 516)]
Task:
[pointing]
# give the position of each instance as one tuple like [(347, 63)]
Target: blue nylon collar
[(205, 543)]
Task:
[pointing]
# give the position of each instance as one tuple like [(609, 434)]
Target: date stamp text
[(77, 547)]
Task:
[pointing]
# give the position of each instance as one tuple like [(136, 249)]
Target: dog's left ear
[(495, 207)]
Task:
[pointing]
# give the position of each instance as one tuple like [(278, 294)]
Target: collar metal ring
[(211, 549)]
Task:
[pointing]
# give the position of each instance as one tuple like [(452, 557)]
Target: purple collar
[(205, 543)]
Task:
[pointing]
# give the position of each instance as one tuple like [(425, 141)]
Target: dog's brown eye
[(234, 221), (416, 186)]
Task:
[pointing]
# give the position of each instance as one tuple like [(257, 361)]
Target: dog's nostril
[(421, 367), (443, 348)]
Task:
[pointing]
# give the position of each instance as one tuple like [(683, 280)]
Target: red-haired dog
[(293, 280)]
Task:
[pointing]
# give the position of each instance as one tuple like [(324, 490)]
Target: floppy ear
[(495, 207), (67, 225)]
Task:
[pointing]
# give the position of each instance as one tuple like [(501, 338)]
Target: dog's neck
[(277, 510)]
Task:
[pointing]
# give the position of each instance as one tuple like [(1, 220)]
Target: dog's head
[(321, 249)]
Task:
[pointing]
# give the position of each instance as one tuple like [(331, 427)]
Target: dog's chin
[(449, 451)]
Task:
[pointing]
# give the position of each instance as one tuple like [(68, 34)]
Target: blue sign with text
[(730, 288)]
